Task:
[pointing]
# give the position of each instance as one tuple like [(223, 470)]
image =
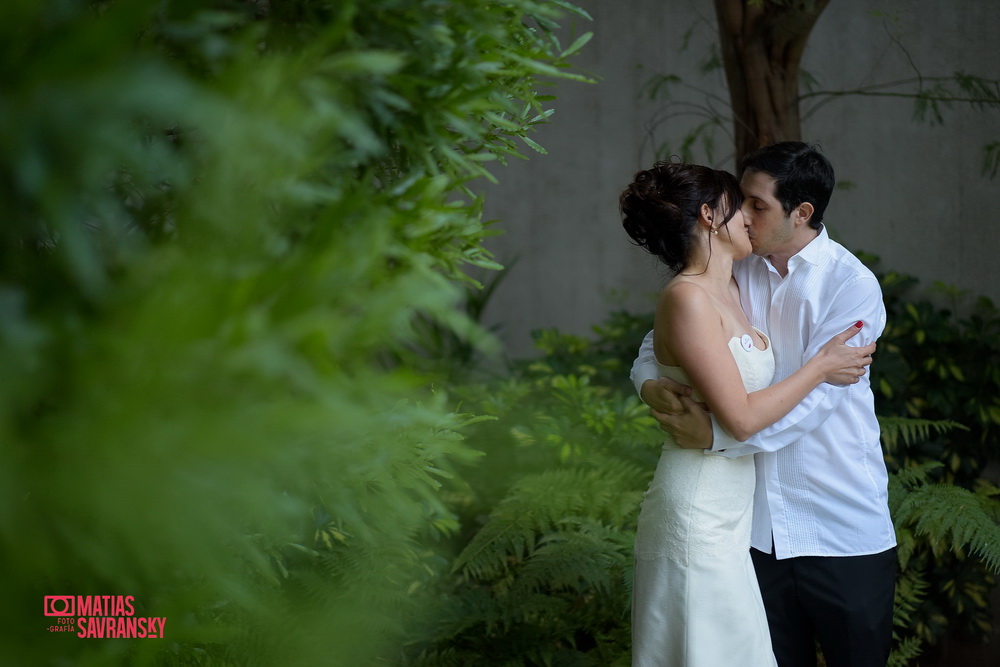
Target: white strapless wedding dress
[(696, 602)]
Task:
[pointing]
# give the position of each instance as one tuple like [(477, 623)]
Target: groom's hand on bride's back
[(664, 395), (685, 419)]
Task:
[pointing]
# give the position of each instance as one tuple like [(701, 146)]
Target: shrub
[(223, 220), (543, 575), (567, 460), (937, 376)]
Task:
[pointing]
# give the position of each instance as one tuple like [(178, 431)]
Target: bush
[(936, 378), (548, 520), (543, 576), (223, 221)]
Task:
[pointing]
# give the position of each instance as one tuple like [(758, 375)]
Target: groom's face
[(770, 229)]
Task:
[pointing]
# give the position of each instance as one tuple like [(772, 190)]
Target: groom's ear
[(804, 212)]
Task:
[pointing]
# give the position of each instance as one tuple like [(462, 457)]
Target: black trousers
[(844, 603)]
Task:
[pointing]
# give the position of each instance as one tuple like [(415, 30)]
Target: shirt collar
[(813, 253), (815, 250)]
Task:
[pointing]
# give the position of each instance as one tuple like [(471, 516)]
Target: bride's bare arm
[(690, 330)]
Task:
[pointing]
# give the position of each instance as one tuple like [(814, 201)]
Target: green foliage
[(954, 518), (675, 94), (225, 221), (979, 92), (936, 378), (898, 430), (910, 591), (230, 228), (605, 357), (934, 364), (544, 574), (547, 531), (935, 520), (459, 356)]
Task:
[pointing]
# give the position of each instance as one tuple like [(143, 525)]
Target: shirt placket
[(786, 514), (757, 303)]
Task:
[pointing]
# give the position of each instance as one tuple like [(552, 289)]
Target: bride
[(696, 602)]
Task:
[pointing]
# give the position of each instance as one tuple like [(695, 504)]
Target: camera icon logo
[(60, 605)]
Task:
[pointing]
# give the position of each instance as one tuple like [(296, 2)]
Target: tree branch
[(918, 95)]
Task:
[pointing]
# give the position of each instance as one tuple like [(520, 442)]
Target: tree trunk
[(762, 44)]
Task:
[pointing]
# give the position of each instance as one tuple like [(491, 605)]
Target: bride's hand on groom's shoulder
[(845, 364)]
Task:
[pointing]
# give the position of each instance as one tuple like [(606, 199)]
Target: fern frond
[(905, 652), (988, 491), (587, 557), (950, 517), (911, 430), (911, 589), (537, 503), (910, 477)]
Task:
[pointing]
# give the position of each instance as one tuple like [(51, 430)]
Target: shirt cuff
[(727, 445), (721, 441), (641, 373)]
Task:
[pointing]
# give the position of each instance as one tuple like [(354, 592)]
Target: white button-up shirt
[(821, 477)]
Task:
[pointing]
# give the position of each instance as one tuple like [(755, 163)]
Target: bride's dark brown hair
[(661, 206)]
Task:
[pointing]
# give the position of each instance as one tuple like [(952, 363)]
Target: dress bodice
[(756, 365)]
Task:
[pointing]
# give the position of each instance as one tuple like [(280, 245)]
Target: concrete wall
[(917, 198)]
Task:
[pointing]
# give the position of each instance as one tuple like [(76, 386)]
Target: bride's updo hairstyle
[(660, 207)]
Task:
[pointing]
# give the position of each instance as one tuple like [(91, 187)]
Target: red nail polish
[(858, 324)]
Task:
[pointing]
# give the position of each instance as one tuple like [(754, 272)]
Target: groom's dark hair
[(802, 174)]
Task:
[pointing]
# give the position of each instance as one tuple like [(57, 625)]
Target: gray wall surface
[(915, 194)]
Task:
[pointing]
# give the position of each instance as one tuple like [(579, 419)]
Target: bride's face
[(735, 233)]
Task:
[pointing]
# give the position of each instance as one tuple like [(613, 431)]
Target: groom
[(823, 544)]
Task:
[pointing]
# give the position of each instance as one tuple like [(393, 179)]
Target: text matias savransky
[(113, 616)]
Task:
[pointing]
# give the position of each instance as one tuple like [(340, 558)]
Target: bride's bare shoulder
[(683, 293), (686, 308)]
